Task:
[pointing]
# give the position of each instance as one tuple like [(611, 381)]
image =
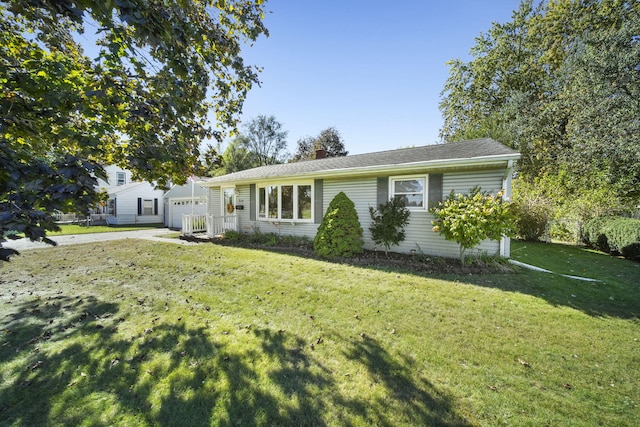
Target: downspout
[(505, 242)]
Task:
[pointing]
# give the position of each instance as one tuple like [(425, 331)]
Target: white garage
[(183, 205)]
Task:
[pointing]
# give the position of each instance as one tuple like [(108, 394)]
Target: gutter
[(381, 169)]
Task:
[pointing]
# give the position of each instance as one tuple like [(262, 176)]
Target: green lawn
[(151, 333), (83, 229)]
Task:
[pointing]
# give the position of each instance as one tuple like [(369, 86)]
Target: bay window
[(292, 202)]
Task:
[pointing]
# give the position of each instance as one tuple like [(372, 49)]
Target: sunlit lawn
[(83, 229), (148, 333)]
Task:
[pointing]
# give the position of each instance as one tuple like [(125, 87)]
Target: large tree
[(559, 82), (142, 102), (328, 140), (265, 139)]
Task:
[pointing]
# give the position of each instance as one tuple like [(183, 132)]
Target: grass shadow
[(66, 362)]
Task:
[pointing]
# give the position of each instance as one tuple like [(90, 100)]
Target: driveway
[(155, 234)]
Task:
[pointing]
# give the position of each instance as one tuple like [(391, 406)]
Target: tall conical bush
[(340, 233)]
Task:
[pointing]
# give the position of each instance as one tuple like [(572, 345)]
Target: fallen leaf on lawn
[(35, 366), (492, 387)]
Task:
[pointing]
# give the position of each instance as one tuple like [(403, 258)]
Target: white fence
[(212, 225), (73, 217)]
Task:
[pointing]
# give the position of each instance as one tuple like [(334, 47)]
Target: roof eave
[(494, 160)]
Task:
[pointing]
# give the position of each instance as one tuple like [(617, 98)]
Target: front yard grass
[(66, 229), (151, 333)]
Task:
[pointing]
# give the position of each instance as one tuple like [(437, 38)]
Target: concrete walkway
[(155, 234)]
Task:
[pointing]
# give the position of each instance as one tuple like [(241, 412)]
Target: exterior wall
[(363, 193), (175, 207), (111, 171), (181, 194), (462, 182), (127, 205)]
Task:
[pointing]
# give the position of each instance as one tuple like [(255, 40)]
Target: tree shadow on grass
[(87, 373), (64, 362), (414, 397)]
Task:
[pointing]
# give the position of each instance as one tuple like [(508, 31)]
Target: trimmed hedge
[(614, 235)]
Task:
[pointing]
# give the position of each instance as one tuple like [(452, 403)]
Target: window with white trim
[(412, 190), (121, 178), (285, 202), (147, 207)]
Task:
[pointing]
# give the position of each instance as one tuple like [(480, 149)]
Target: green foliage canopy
[(265, 139), (328, 140), (143, 103), (560, 83)]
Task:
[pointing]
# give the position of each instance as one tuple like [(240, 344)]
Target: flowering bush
[(468, 219)]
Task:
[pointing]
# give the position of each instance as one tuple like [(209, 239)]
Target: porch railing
[(194, 224), (217, 225)]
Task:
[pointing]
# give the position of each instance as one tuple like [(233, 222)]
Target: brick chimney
[(321, 154)]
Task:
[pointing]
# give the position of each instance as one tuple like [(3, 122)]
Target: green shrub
[(533, 212), (593, 233), (388, 222), (231, 235), (339, 233), (623, 236), (614, 234), (469, 219)]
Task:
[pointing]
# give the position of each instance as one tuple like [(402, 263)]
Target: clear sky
[(372, 69)]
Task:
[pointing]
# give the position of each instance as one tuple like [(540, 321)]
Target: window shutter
[(252, 202), (139, 205), (383, 190), (435, 189), (318, 208), (155, 206)]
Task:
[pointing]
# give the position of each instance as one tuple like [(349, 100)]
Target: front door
[(229, 208)]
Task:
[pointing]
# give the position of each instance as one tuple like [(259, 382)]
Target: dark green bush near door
[(340, 233)]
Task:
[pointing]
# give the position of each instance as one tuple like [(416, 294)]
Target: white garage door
[(178, 207)]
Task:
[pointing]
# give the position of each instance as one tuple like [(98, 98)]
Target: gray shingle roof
[(471, 150)]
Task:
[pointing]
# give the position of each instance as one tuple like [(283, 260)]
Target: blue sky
[(372, 69)]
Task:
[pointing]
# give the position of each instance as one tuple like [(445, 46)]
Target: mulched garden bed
[(419, 263)]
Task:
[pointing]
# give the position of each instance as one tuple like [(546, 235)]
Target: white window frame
[(147, 210), (425, 189), (121, 178), (279, 185)]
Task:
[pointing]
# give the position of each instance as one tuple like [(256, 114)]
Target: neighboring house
[(131, 202), (291, 198), (189, 198)]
